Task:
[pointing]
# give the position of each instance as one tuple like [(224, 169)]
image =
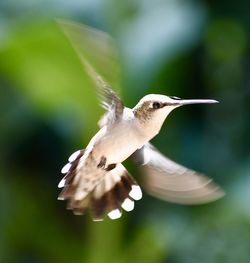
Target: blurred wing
[(172, 182), (97, 47)]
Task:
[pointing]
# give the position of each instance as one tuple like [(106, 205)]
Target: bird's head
[(153, 109)]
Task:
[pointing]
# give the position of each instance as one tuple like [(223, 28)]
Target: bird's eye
[(156, 105)]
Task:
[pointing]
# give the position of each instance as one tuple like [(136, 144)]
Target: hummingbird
[(95, 179)]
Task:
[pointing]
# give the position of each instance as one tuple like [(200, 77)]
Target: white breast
[(117, 142)]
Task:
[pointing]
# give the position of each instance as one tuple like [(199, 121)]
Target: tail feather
[(121, 192), (104, 204), (114, 192), (70, 170), (79, 207), (67, 192), (112, 198)]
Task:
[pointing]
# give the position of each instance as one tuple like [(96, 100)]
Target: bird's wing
[(98, 47), (172, 182), (109, 99)]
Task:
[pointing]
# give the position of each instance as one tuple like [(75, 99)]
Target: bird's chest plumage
[(116, 143)]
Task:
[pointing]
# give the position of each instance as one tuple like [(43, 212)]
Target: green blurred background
[(190, 49)]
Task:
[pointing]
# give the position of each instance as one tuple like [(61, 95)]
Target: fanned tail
[(116, 191), (70, 169)]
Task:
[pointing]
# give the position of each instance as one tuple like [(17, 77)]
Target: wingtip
[(220, 193)]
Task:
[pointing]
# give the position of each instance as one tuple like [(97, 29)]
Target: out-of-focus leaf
[(40, 62)]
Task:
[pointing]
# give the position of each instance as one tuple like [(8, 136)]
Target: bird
[(95, 179)]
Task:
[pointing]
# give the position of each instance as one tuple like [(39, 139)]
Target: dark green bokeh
[(190, 49)]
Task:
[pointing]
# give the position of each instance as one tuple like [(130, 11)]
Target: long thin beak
[(186, 102)]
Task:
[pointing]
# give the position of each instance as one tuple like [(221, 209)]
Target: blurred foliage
[(49, 109)]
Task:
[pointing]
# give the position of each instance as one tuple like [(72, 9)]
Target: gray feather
[(172, 182)]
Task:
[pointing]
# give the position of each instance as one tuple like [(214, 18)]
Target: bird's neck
[(150, 126)]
